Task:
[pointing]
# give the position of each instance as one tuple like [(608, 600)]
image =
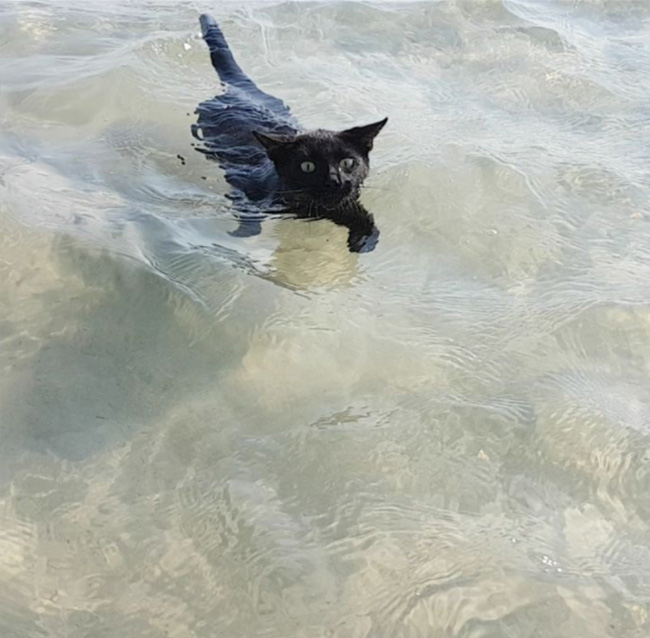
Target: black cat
[(272, 164)]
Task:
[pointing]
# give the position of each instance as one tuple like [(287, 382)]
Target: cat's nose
[(334, 179)]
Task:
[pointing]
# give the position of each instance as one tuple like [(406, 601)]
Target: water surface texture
[(204, 436)]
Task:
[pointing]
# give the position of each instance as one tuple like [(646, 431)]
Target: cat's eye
[(308, 167), (347, 163)]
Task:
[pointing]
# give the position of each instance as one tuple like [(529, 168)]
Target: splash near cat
[(275, 166)]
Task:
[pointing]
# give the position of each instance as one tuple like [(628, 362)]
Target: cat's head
[(327, 168)]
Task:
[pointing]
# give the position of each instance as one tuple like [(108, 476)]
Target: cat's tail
[(222, 58)]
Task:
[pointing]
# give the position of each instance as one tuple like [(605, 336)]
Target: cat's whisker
[(380, 188)]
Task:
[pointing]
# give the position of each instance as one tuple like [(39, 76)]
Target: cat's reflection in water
[(311, 256)]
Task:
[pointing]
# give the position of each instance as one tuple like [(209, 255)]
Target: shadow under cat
[(272, 165)]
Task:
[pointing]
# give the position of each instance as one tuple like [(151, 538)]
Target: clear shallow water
[(206, 436)]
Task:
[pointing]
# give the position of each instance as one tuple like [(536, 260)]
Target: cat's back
[(227, 121)]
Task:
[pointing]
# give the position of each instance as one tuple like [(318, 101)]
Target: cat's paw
[(246, 228), (363, 242)]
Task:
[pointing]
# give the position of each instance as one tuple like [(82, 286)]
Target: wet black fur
[(260, 147)]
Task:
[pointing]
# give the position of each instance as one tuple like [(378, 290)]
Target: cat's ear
[(364, 136), (273, 142)]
